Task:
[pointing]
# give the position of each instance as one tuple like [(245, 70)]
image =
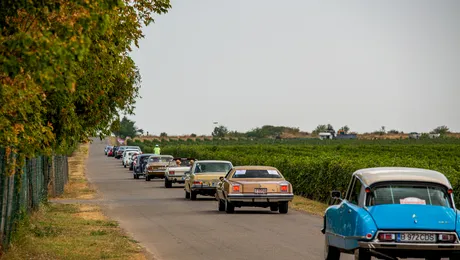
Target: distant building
[(432, 136), (346, 136), (414, 135), (325, 135)]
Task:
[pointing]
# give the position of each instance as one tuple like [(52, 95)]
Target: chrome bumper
[(408, 246), (260, 197), (202, 187)]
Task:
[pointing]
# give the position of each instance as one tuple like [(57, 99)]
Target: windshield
[(160, 159), (212, 167), (181, 163), (409, 194), (256, 174)]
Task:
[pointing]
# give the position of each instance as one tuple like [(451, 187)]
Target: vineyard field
[(316, 167)]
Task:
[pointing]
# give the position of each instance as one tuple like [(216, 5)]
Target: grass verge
[(309, 206), (72, 231), (78, 187), (69, 231)]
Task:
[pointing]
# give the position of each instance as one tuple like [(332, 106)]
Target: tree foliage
[(65, 71), (125, 128), (220, 131), (271, 131), (441, 130)]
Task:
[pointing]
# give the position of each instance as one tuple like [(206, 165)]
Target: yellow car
[(204, 176), (254, 186)]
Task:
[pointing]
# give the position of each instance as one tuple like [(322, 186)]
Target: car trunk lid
[(249, 185), (413, 217)]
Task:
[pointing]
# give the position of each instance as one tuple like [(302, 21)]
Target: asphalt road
[(170, 227)]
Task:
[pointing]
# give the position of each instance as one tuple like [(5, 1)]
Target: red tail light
[(197, 182), (236, 188), (284, 188), (386, 237), (446, 238), (171, 172)]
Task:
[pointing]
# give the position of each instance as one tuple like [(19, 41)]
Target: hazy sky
[(300, 63)]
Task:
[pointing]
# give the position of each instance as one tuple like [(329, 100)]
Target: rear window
[(212, 167), (266, 174), (160, 159), (409, 194)]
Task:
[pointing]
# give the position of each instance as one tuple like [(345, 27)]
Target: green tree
[(220, 131), (125, 128), (65, 72), (163, 134), (345, 129), (441, 130)]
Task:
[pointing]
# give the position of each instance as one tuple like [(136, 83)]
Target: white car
[(127, 156)]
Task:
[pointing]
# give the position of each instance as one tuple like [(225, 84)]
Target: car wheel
[(362, 254), (168, 184), (283, 207), (274, 207), (221, 205), (193, 195), (124, 165), (187, 194), (147, 178), (229, 207), (330, 252)]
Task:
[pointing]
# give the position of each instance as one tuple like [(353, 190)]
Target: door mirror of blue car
[(336, 194)]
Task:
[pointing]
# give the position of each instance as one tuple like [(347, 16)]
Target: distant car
[(107, 148), (114, 151), (140, 165), (127, 156), (132, 161), (175, 173), (156, 166), (121, 150), (204, 176), (254, 186), (110, 152), (394, 212)]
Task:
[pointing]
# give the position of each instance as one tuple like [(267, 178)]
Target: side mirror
[(336, 194), (221, 178)]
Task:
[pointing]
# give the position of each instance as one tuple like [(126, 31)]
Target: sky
[(300, 63)]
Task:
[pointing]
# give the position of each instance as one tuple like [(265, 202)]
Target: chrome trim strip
[(344, 237)]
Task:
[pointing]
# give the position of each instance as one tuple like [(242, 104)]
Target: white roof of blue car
[(371, 176)]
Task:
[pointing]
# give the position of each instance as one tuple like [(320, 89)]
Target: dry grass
[(78, 187), (72, 231), (66, 231), (309, 206)]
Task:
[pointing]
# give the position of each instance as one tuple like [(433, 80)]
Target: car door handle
[(349, 211)]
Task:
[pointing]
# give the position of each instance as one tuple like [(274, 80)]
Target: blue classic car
[(393, 212)]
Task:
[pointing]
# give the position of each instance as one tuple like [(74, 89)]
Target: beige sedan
[(254, 186)]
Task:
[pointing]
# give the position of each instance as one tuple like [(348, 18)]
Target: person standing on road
[(157, 149)]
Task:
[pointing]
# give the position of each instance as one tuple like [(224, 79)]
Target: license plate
[(260, 190), (417, 237)]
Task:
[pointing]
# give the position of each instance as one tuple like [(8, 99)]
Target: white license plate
[(417, 237), (260, 190)]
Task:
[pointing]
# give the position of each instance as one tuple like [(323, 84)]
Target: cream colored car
[(204, 176)]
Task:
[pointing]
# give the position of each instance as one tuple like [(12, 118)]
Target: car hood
[(413, 217)]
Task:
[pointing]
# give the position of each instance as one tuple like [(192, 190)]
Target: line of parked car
[(387, 213)]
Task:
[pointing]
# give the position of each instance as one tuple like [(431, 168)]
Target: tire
[(168, 184), (193, 195), (187, 194), (283, 207), (362, 254), (229, 208), (220, 205), (147, 178), (330, 252), (124, 165), (274, 207)]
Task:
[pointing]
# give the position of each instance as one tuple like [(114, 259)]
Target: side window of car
[(357, 196)]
